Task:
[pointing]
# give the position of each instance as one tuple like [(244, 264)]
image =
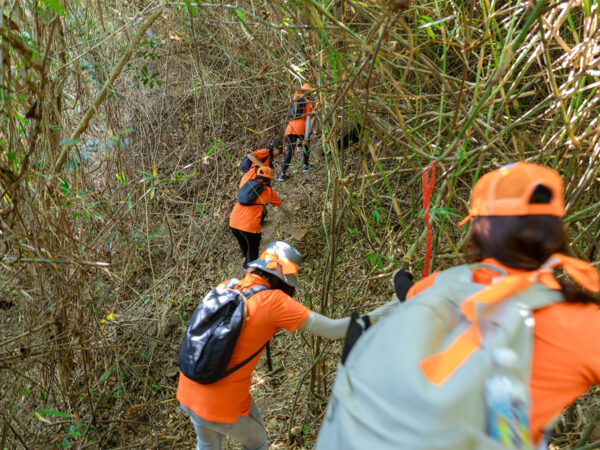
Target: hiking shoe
[(281, 177), (305, 168)]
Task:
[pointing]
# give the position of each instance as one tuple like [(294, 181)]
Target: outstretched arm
[(328, 328), (255, 160), (325, 327)]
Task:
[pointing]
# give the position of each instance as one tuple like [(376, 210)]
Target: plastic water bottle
[(507, 401)]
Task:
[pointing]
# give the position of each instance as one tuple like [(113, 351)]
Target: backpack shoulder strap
[(522, 290), (254, 290), (246, 295), (244, 362)]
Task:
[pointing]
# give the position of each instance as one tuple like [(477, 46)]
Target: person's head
[(264, 174), (516, 219), (305, 90), (275, 147), (279, 265)]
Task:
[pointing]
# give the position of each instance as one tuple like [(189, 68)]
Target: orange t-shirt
[(298, 126), (247, 218), (566, 351), (228, 398), (251, 173)]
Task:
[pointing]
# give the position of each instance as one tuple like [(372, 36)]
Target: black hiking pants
[(290, 141), (249, 243)]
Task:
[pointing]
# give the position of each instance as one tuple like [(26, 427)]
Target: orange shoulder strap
[(437, 368)]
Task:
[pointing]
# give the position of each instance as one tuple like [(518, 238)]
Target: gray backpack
[(382, 398)]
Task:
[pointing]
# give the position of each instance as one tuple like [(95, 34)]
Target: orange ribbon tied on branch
[(439, 367), (427, 191)]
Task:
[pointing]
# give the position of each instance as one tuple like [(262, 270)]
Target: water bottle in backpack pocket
[(507, 401)]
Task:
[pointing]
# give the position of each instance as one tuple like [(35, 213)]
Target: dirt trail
[(303, 194)]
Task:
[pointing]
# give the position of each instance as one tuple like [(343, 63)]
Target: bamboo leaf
[(51, 412)]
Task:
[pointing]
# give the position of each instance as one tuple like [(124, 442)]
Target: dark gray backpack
[(213, 332), (250, 191)]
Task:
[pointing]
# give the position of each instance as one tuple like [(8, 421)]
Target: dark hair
[(522, 242), (276, 142), (274, 281)]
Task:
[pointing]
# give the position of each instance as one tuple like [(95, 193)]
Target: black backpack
[(250, 192), (213, 332), (247, 163), (297, 108)]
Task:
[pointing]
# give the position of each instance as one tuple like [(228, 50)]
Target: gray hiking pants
[(250, 431)]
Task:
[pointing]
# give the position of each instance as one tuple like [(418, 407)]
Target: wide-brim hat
[(282, 260)]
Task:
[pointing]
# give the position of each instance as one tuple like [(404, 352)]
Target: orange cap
[(264, 172), (306, 87), (507, 192)]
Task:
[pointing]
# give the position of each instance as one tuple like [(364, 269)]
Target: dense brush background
[(122, 127)]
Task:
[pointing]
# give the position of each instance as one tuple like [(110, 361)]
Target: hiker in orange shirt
[(503, 318), (265, 156), (299, 128), (246, 221), (226, 407), (260, 158), (516, 225)]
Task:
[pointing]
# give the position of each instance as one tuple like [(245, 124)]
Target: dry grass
[(135, 224)]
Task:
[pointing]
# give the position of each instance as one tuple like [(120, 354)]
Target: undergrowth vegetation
[(122, 127)]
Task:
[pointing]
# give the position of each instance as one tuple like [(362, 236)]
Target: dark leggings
[(291, 140), (249, 243)]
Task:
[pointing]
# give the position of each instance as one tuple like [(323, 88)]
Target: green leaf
[(51, 412), (214, 147), (191, 8), (56, 5), (587, 8), (240, 14), (69, 142), (105, 375)]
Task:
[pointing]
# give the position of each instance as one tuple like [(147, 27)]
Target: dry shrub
[(105, 259)]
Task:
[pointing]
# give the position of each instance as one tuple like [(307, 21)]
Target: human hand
[(402, 280)]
